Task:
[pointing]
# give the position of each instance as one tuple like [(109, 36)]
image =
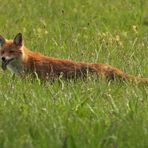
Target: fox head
[(11, 50)]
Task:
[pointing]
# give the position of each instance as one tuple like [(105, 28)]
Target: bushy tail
[(135, 78), (112, 73)]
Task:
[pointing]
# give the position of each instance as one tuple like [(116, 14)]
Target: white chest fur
[(16, 68)]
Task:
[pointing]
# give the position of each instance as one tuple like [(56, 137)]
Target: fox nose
[(3, 58)]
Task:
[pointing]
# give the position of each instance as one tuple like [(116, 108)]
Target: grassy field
[(82, 114)]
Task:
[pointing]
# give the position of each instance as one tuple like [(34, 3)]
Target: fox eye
[(11, 51)]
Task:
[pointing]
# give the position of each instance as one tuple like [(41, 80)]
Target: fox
[(22, 61)]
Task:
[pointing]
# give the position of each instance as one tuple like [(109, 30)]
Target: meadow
[(87, 113)]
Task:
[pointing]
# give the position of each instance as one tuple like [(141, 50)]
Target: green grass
[(82, 114)]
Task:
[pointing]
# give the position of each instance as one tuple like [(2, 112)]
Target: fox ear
[(2, 40), (18, 40)]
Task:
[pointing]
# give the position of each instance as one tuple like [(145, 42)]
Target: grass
[(84, 113)]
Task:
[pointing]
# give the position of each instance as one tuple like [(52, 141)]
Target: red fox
[(22, 61)]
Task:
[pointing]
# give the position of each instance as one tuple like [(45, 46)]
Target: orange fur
[(23, 61)]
